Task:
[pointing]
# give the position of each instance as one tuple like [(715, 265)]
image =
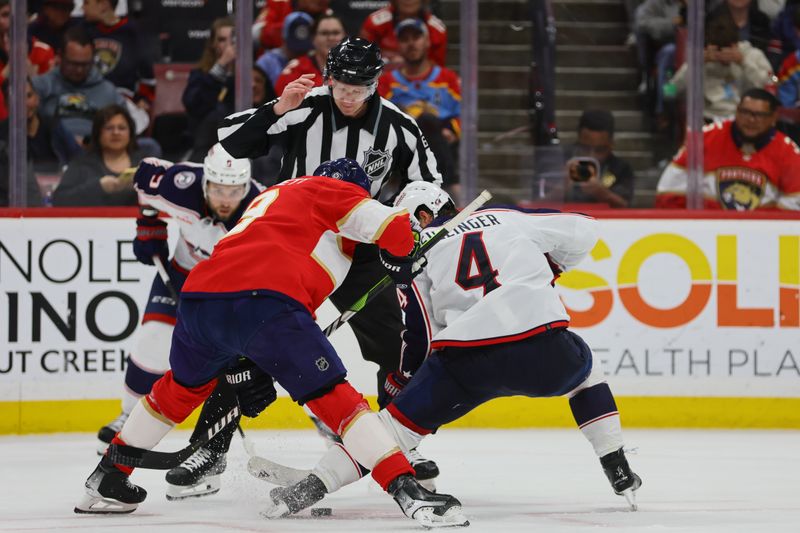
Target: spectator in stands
[(268, 27), (297, 40), (731, 68), (785, 37), (41, 56), (611, 182), (92, 179), (50, 145), (52, 20), (429, 93), (37, 141), (654, 27), (380, 28), (789, 73), (120, 53), (747, 163), (75, 90), (771, 8), (210, 88), (328, 32), (753, 24)]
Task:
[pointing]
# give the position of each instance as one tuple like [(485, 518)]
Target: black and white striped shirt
[(385, 141)]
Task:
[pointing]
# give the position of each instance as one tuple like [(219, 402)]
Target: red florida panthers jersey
[(297, 239), (738, 178)]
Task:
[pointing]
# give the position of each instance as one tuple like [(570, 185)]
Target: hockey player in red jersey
[(483, 321), (256, 296)]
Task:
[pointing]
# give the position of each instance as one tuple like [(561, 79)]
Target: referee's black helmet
[(355, 61)]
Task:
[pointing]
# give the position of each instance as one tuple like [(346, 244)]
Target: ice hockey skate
[(429, 509), (425, 469), (286, 501), (197, 476), (109, 491), (622, 479), (108, 432)]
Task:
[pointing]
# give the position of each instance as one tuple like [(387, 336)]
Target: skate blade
[(207, 487), (99, 505), (630, 496), (275, 510), (453, 517)]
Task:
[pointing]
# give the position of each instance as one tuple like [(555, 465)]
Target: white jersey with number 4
[(488, 281)]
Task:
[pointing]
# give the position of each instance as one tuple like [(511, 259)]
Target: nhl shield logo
[(322, 364), (376, 163)]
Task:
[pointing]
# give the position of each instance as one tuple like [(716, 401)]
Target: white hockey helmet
[(422, 194), (221, 167)]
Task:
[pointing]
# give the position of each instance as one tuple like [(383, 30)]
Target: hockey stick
[(164, 275), (386, 281), (141, 458), (123, 454)]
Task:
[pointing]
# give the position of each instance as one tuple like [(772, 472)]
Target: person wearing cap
[(380, 29), (52, 20), (428, 92), (346, 118), (296, 42), (327, 32), (268, 26)]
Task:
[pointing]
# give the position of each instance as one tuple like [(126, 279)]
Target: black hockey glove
[(404, 269), (395, 382), (254, 388), (151, 238)]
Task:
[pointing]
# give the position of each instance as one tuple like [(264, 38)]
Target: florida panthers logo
[(106, 54), (740, 188), (376, 163)]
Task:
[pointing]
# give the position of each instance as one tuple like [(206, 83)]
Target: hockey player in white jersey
[(483, 321), (207, 201)]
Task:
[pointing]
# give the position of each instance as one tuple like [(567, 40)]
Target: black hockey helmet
[(355, 61)]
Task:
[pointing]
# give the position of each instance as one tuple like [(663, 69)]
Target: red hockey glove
[(151, 239), (395, 382)]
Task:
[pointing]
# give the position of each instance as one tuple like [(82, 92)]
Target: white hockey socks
[(337, 468), (405, 437), (145, 427), (597, 417)]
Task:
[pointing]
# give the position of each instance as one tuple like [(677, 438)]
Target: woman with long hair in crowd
[(93, 178)]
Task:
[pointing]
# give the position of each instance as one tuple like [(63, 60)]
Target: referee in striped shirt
[(345, 118)]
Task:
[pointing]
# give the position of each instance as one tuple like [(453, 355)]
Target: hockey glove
[(395, 382), (402, 270), (254, 388), (151, 238)]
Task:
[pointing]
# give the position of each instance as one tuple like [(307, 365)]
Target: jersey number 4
[(474, 267)]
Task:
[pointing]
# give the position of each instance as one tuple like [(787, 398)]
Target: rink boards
[(695, 322)]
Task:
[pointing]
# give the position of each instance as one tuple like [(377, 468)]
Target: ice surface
[(508, 480)]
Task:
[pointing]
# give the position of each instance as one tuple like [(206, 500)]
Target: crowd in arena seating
[(93, 87), (93, 100)]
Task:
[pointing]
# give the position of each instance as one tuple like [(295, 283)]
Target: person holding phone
[(596, 174)]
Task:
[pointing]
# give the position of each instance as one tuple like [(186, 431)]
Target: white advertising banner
[(670, 307)]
